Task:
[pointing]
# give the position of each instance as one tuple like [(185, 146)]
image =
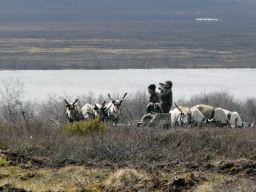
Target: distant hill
[(124, 10)]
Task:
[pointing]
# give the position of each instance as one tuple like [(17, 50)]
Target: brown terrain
[(115, 45)]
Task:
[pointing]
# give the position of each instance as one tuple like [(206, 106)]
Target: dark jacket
[(154, 98), (166, 100)]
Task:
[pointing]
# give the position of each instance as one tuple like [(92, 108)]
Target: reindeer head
[(185, 118), (117, 103), (100, 110), (71, 110)]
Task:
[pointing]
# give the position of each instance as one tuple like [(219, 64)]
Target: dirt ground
[(17, 173)]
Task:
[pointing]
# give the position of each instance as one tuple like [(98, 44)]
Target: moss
[(3, 160), (85, 127)]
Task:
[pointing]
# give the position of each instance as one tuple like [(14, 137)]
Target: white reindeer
[(234, 118), (197, 118), (213, 114), (113, 109), (179, 118), (94, 111)]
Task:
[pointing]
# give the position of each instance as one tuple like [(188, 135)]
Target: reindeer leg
[(115, 121)]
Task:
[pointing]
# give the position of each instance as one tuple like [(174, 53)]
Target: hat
[(152, 86)]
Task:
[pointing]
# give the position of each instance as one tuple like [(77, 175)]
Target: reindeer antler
[(103, 105), (75, 102), (66, 102), (123, 99), (124, 95), (178, 107), (110, 97)]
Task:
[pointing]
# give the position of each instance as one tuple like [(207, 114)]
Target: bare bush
[(14, 109), (129, 145), (27, 128), (11, 101)]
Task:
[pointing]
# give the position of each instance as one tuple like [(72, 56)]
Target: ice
[(39, 84)]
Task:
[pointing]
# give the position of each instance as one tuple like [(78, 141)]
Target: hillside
[(129, 10), (107, 45), (113, 34)]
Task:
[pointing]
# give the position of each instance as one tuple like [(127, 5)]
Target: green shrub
[(85, 127), (3, 160)]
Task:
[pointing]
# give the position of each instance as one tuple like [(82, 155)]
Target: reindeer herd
[(105, 112), (202, 114), (180, 116)]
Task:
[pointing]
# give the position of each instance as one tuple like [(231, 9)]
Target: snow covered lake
[(39, 85)]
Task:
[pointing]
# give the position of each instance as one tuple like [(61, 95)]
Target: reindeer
[(94, 111), (73, 112), (234, 118), (213, 114), (179, 117), (197, 118), (113, 108)]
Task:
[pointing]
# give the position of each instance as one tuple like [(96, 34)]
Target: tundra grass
[(197, 159), (103, 178)]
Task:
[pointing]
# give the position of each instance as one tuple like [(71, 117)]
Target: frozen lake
[(38, 85)]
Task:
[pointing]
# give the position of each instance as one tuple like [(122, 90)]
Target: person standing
[(154, 99), (166, 97)]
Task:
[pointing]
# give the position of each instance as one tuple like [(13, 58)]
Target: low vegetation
[(37, 154), (85, 127), (129, 158), (143, 45)]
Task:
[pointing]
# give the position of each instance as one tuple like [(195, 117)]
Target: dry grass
[(129, 145), (110, 178), (70, 178)]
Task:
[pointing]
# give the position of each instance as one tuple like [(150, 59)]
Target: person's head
[(151, 88), (168, 84)]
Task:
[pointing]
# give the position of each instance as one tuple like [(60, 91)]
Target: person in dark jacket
[(166, 97), (154, 99)]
